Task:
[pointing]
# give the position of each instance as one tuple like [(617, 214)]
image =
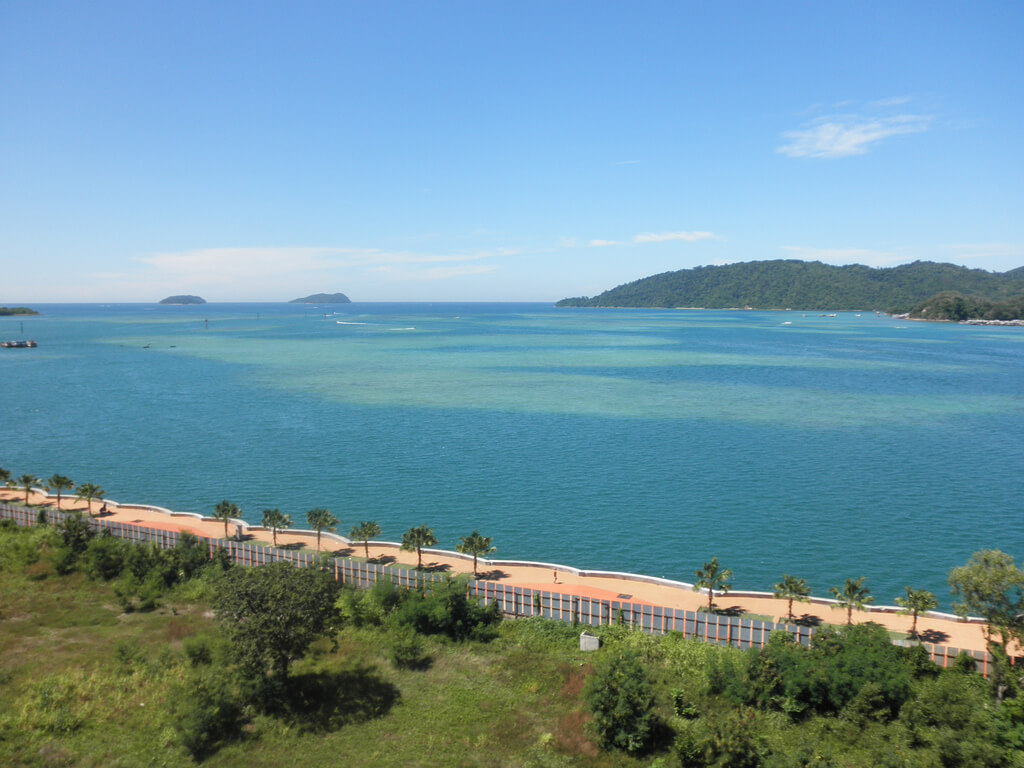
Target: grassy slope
[(477, 705)]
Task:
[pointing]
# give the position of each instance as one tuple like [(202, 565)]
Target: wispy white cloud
[(664, 237), (657, 237), (432, 274), (1001, 256), (892, 101), (213, 264), (852, 133)]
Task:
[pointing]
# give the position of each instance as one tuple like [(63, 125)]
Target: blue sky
[(496, 150)]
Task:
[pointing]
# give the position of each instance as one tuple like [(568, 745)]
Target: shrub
[(198, 650), (206, 711), (619, 697), (105, 557), (447, 611), (408, 651), (733, 742)]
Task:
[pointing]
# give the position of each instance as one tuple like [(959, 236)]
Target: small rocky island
[(183, 300), (323, 298), (5, 311)]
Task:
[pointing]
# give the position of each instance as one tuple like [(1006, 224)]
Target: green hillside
[(807, 285)]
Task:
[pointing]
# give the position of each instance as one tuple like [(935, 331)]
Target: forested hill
[(810, 285)]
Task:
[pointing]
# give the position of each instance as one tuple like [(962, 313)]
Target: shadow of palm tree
[(933, 636), (732, 610), (343, 552), (437, 568), (324, 701), (383, 560), (808, 620), (491, 575)]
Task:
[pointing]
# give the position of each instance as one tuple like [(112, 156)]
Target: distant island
[(5, 311), (323, 298), (183, 300), (923, 289)]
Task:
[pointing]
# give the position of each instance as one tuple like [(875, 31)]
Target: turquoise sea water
[(636, 440)]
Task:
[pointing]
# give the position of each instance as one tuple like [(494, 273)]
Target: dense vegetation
[(323, 298), (112, 657), (5, 311), (183, 299), (954, 306), (783, 284)]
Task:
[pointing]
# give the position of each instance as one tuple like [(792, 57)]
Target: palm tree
[(26, 482), (5, 476), (273, 519), (225, 510), (791, 588), (417, 538), (916, 602), (711, 577), (59, 483), (853, 595), (364, 532), (87, 492), (474, 545), (320, 520)]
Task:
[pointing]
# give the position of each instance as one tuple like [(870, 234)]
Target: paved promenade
[(941, 631)]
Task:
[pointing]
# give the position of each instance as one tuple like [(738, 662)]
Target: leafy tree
[(853, 595), (5, 476), (59, 483), (274, 519), (26, 483), (271, 614), (363, 532), (620, 699), (992, 586), (88, 492), (415, 539), (916, 602), (225, 511), (791, 588), (445, 610), (714, 579), (320, 520), (475, 545)]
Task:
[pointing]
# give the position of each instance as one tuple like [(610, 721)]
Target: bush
[(206, 711), (198, 650), (618, 695), (105, 557), (830, 675), (408, 650), (733, 742), (447, 611)]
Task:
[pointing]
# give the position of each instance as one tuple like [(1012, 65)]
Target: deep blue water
[(638, 440)]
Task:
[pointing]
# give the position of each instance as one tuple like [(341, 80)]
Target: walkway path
[(942, 631)]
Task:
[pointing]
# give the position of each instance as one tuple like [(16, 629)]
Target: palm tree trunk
[(791, 609), (274, 529), (366, 547), (419, 558), (474, 565)]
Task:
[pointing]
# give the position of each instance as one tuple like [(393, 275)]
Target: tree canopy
[(271, 614), (809, 285)]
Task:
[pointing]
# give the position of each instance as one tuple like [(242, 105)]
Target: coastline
[(935, 627)]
